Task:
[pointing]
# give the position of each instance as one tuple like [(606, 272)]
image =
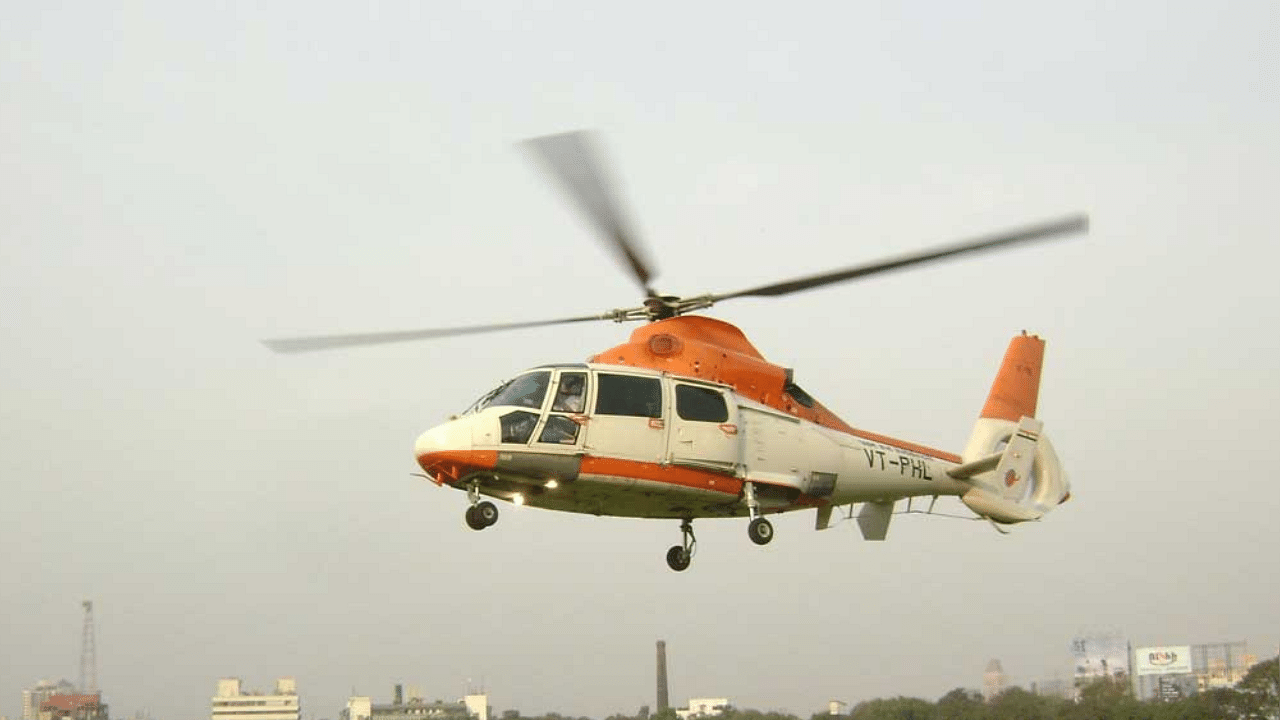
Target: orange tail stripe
[(1014, 392)]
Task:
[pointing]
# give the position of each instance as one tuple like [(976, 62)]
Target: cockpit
[(527, 394)]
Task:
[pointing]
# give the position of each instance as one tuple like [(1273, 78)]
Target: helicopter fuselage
[(640, 442)]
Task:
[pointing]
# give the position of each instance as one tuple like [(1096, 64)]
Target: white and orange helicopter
[(687, 420)]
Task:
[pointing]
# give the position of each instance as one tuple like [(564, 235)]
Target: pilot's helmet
[(571, 383)]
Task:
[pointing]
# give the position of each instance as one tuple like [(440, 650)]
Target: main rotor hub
[(661, 307)]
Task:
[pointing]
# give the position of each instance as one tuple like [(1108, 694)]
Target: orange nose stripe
[(450, 466)]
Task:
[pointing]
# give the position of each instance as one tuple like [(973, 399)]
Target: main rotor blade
[(1074, 223), (329, 342), (572, 159)]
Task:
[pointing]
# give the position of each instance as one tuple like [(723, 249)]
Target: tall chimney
[(663, 703), (399, 694)]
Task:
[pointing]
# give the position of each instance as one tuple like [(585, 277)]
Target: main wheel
[(677, 558), (474, 521), (487, 512), (760, 531)]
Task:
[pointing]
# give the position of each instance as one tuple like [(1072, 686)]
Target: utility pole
[(88, 654)]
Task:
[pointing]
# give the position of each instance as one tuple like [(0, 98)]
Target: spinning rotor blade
[(1007, 238), (329, 342), (571, 158)]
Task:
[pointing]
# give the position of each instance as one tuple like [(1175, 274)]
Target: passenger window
[(560, 430), (517, 426), (701, 404), (571, 393), (528, 390), (629, 395)]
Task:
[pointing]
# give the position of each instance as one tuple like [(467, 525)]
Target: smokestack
[(399, 694), (663, 702)]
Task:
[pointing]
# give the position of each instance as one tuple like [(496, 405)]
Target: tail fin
[(1013, 469), (1014, 393)]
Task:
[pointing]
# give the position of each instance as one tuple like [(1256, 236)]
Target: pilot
[(569, 396)]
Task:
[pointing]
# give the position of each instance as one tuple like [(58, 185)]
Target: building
[(232, 703), (993, 681), (1220, 665), (1054, 688), (1101, 656), (703, 707), (87, 706), (1169, 672), (470, 707), (33, 698)]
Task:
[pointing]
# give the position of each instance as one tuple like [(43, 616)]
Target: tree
[(1104, 699), (732, 713), (1254, 697), (1259, 690), (1017, 704), (899, 708), (668, 714), (961, 704)]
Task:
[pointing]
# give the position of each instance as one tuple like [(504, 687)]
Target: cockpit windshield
[(526, 391)]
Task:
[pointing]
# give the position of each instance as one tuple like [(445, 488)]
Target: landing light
[(518, 499), (552, 484)]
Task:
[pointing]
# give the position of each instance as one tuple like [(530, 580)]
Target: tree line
[(1255, 697)]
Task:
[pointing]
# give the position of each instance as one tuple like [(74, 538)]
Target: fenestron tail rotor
[(573, 161)]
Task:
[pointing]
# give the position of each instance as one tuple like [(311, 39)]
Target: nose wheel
[(482, 513), (679, 556)]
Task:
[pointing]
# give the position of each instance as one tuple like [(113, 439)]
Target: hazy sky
[(178, 181)]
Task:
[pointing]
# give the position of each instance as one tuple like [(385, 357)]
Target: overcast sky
[(179, 180)]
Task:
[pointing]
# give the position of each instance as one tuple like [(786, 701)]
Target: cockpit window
[(559, 429), (528, 390), (570, 393), (629, 395), (517, 426)]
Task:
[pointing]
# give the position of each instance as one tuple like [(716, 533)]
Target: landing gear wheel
[(474, 521), (678, 558), (487, 513), (760, 531)]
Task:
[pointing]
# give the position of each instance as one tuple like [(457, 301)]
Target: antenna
[(88, 655)]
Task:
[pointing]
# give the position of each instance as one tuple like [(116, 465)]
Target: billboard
[(1099, 657), (1163, 660)]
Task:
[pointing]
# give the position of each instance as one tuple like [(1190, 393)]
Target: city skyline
[(981, 682)]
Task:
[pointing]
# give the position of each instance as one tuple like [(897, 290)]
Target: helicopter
[(687, 420)]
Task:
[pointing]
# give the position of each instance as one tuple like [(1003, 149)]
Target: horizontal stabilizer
[(977, 467)]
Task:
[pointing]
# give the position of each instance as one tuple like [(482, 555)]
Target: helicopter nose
[(445, 454)]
